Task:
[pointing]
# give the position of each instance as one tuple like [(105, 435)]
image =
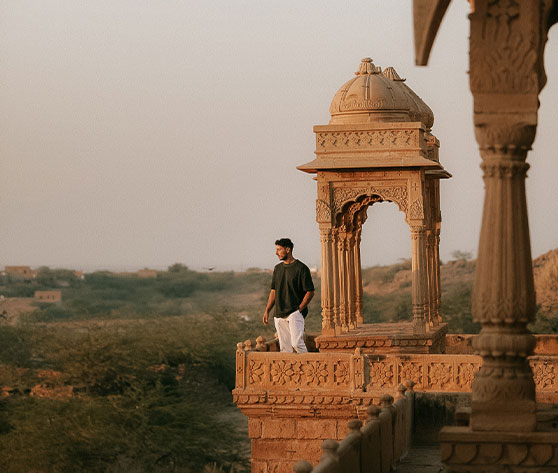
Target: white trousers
[(290, 331)]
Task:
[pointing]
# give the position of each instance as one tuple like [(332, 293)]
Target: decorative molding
[(505, 169), (366, 140), (526, 455)]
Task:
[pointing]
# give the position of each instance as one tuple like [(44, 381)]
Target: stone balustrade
[(280, 377), (375, 448)]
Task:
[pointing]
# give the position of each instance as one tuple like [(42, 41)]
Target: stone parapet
[(344, 379)]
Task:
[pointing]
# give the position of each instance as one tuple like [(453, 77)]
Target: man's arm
[(306, 300), (269, 306)]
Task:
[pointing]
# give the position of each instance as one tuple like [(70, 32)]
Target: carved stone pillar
[(328, 320), (419, 282), (504, 296), (351, 281), (506, 75), (342, 261), (429, 309), (437, 286), (336, 277), (358, 276)]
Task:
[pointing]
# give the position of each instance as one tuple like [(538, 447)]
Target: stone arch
[(346, 198)]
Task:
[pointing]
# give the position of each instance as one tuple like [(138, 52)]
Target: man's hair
[(285, 243)]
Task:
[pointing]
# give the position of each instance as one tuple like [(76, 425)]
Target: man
[(291, 291)]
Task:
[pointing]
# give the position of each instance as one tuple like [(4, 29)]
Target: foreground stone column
[(504, 296), (506, 75), (420, 285)]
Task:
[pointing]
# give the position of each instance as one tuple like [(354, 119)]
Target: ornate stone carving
[(285, 372), (316, 373), (323, 211), (416, 210), (411, 370), (341, 373), (504, 47), (367, 140), (544, 374), (440, 375), (381, 375), (431, 373), (344, 195), (255, 372), (466, 373)]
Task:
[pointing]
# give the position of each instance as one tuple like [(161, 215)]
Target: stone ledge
[(464, 450), (385, 338)]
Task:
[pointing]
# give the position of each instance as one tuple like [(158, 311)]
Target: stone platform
[(386, 338)]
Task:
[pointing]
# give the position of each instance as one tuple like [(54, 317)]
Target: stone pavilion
[(378, 146)]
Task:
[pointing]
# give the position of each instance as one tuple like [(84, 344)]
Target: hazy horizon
[(144, 133)]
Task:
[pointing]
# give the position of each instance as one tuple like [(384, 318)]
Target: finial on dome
[(392, 74), (367, 67)]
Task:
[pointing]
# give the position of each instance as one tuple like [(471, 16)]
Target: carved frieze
[(369, 373), (367, 140)]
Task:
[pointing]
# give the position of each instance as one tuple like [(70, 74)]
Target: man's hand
[(270, 304)]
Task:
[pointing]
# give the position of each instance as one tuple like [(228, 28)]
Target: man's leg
[(284, 334), (296, 327)]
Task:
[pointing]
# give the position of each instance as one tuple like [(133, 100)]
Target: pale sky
[(147, 132)]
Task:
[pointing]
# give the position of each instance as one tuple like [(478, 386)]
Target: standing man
[(291, 291)]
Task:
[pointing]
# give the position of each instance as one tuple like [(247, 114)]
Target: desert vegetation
[(134, 375)]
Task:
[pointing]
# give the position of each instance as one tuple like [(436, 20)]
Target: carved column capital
[(504, 136)]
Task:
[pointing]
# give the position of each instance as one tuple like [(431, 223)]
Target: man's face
[(281, 252)]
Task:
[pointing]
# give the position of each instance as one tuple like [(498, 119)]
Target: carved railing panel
[(349, 373)]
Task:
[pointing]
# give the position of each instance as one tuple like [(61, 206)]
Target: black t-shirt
[(291, 283)]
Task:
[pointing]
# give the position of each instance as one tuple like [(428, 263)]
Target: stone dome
[(374, 96)]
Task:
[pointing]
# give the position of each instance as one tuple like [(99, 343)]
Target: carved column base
[(464, 451), (513, 416)]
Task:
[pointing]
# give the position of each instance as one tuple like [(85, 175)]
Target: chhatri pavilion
[(378, 146)]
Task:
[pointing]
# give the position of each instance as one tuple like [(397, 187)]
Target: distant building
[(79, 274), (147, 273), (23, 272), (50, 297)]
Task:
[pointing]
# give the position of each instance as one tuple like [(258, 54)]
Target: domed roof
[(374, 95)]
